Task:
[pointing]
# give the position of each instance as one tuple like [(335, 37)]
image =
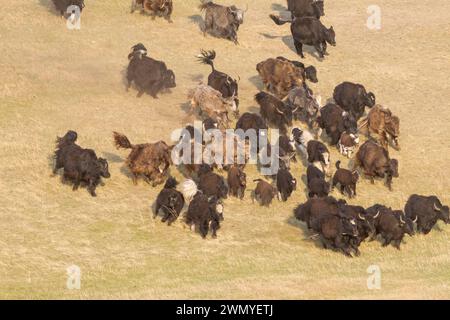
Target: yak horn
[(279, 111), (401, 219), (435, 207), (415, 220), (376, 216), (361, 217)]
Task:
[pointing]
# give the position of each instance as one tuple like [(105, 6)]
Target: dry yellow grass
[(53, 79)]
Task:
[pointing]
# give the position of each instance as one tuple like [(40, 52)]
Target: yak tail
[(207, 57), (338, 164), (121, 141), (204, 4), (278, 20)]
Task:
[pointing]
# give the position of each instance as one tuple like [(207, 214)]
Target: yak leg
[(396, 244), (133, 6), (91, 188), (77, 181), (299, 47), (387, 240), (155, 213), (134, 177), (371, 176), (140, 93), (324, 47), (319, 49)]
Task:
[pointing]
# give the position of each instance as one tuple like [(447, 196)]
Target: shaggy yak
[(149, 160), (80, 165)]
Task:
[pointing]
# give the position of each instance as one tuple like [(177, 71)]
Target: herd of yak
[(286, 98)]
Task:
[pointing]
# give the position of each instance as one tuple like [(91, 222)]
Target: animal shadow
[(289, 42), (268, 36), (198, 20), (256, 81), (49, 5), (305, 233), (196, 77), (278, 7), (111, 157)]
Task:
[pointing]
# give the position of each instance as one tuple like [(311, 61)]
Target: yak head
[(391, 172), (330, 36), (311, 74), (103, 166), (169, 79), (349, 226), (392, 127), (405, 223), (237, 14), (443, 212), (367, 221)]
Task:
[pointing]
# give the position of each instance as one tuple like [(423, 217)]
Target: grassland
[(53, 79)]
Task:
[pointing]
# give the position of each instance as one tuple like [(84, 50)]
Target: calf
[(205, 213), (170, 201), (346, 179), (286, 183), (309, 31), (80, 165), (347, 144), (264, 192), (237, 182), (318, 154), (426, 211), (274, 111)]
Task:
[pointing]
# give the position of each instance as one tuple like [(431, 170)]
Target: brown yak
[(381, 121), (375, 161), (279, 76), (161, 8), (150, 160)]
